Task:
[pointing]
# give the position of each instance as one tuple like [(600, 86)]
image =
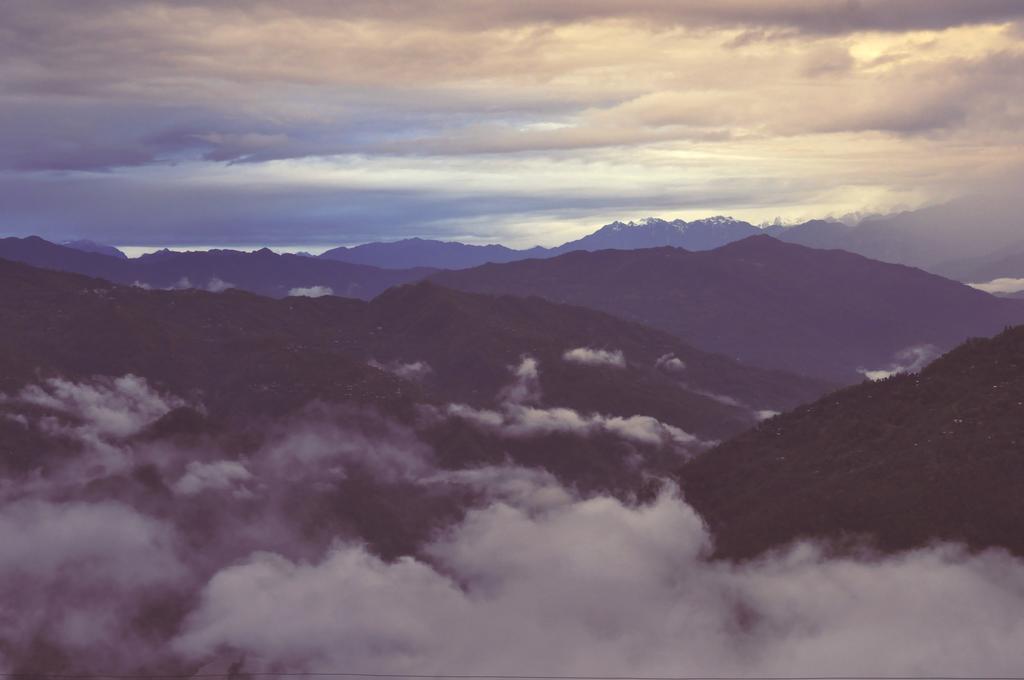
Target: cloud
[(312, 291), (1004, 285), (519, 417), (518, 421), (220, 124), (720, 398), (671, 363), (529, 488), (412, 370), (216, 285), (222, 476), (77, 573), (335, 440), (909, 360), (273, 560), (595, 357), (525, 386), (103, 407), (600, 587)]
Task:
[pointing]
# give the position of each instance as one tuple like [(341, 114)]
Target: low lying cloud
[(525, 386), (335, 441), (595, 357), (527, 421), (312, 291), (720, 398), (214, 285), (1004, 285), (671, 363), (218, 285), (221, 476), (596, 586), (103, 407), (271, 562), (81, 576), (909, 360), (412, 370), (519, 415)]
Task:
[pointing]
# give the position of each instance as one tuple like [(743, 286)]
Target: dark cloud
[(404, 90), (124, 211), (816, 16)]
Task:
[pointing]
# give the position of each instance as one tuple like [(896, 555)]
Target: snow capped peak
[(671, 229), (716, 220)]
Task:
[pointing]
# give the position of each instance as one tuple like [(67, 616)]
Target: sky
[(312, 123)]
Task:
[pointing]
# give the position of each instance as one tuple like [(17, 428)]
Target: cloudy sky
[(316, 122)]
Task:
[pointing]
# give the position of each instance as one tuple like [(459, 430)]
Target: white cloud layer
[(909, 360), (221, 476), (670, 363), (595, 357), (407, 370), (311, 291), (519, 421), (533, 578), (1004, 285), (597, 587)]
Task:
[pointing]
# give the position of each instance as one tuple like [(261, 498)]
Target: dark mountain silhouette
[(262, 272), (93, 247), (762, 301), (247, 354), (469, 341), (702, 234), (903, 462)]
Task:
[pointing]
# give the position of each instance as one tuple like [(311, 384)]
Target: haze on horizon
[(310, 122)]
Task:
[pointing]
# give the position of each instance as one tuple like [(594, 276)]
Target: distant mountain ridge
[(247, 352), (827, 314), (263, 272), (85, 245), (652, 232), (932, 238), (414, 252), (824, 314), (948, 239), (1008, 263)]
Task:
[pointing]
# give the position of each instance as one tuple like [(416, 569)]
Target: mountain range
[(936, 238), (580, 394), (704, 234), (965, 239), (930, 237), (263, 272), (87, 246), (247, 354), (829, 314), (1008, 263)]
